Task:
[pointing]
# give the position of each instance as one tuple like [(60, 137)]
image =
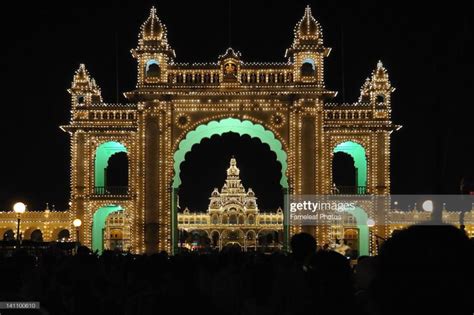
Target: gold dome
[(152, 29), (308, 27)]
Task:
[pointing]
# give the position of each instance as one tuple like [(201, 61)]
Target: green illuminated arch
[(361, 219), (102, 156), (357, 152), (98, 225), (242, 127)]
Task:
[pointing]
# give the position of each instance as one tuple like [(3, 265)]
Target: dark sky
[(427, 49)]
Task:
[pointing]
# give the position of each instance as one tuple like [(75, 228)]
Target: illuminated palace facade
[(175, 105)]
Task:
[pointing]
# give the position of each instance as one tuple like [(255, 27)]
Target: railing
[(111, 190), (349, 190)]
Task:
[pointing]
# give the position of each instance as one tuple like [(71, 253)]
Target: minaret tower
[(307, 51), (84, 90), (377, 90), (153, 52)]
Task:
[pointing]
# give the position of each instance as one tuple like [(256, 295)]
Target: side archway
[(98, 225), (358, 153), (102, 156)]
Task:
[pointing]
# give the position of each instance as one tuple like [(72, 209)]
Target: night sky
[(427, 50)]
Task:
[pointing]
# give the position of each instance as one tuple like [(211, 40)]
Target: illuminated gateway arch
[(175, 105)]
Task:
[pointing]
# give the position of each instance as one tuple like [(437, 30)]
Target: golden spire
[(152, 29), (308, 28), (233, 170)]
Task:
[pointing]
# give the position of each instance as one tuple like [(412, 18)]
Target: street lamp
[(19, 208), (77, 224)]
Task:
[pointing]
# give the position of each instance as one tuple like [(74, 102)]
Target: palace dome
[(152, 29), (308, 26)]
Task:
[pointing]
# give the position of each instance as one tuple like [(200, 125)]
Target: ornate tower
[(307, 52), (153, 52), (377, 90), (84, 91)]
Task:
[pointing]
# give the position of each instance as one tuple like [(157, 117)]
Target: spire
[(377, 89), (308, 26), (379, 80), (308, 30), (153, 35), (81, 78), (83, 84), (233, 170), (308, 35), (152, 29)]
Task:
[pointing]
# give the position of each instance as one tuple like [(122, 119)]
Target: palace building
[(286, 105), (233, 218)]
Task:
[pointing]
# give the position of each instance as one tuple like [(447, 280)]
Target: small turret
[(377, 89), (153, 52), (84, 89), (307, 51)]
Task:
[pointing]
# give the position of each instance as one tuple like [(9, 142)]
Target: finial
[(153, 10), (379, 65), (47, 206)]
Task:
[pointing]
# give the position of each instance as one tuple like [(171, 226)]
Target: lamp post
[(19, 208), (77, 224)]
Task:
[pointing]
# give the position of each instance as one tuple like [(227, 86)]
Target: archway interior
[(205, 169), (102, 156), (98, 225), (116, 172), (343, 170), (241, 127), (360, 159), (361, 220)]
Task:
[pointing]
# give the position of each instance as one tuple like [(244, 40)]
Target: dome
[(152, 29), (308, 26), (233, 169)]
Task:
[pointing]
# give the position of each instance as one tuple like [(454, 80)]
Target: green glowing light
[(241, 127), (98, 225), (361, 219), (102, 156), (360, 159)]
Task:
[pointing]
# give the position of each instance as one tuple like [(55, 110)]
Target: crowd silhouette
[(420, 270)]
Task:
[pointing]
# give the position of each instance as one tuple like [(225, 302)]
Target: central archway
[(241, 127)]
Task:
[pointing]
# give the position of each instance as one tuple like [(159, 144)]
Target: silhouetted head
[(83, 251), (303, 246), (424, 269)]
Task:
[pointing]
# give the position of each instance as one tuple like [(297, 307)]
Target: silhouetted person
[(425, 270), (303, 247), (294, 291)]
